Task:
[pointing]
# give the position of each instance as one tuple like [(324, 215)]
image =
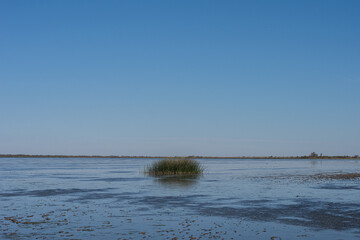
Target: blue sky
[(222, 78)]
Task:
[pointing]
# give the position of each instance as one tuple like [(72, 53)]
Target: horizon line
[(311, 156)]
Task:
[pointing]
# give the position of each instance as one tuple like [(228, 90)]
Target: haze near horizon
[(213, 78)]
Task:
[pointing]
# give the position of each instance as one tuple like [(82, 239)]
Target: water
[(235, 199)]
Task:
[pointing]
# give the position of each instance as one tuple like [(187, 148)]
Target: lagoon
[(112, 198)]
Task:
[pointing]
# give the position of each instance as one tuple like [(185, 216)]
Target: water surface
[(64, 198)]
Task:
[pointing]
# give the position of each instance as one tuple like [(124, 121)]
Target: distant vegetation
[(174, 166), (313, 155)]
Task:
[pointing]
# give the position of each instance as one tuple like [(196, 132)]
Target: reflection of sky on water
[(261, 193)]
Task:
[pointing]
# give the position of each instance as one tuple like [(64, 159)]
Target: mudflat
[(112, 198)]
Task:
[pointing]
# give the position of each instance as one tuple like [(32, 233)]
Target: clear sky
[(222, 78)]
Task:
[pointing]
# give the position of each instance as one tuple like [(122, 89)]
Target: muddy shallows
[(232, 199)]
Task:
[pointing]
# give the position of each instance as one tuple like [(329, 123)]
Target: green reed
[(174, 166)]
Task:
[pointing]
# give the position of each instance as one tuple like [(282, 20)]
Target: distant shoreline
[(197, 157)]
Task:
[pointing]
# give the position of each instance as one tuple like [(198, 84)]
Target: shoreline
[(196, 157)]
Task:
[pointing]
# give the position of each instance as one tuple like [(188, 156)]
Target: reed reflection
[(178, 181)]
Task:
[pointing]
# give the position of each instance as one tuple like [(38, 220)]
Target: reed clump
[(175, 166)]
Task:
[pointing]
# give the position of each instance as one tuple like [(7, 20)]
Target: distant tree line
[(312, 155)]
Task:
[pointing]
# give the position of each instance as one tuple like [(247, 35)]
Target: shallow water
[(235, 199)]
